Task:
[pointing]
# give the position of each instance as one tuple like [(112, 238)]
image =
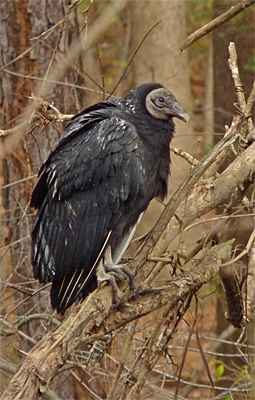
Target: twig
[(245, 251), (191, 330), (24, 320), (17, 182), (249, 105), (133, 56), (234, 10), (250, 300), (124, 356), (101, 69), (37, 78), (20, 55), (200, 368), (250, 100), (218, 218), (58, 116), (70, 7), (43, 106), (186, 156)]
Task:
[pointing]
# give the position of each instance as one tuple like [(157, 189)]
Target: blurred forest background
[(70, 54)]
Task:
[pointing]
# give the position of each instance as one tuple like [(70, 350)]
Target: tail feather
[(76, 286), (71, 290)]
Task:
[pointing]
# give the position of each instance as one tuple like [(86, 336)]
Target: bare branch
[(41, 109), (250, 100), (95, 316), (198, 34), (243, 107), (186, 156), (232, 62)]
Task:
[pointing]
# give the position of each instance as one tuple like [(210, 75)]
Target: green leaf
[(219, 371)]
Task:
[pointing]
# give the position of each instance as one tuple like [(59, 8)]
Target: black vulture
[(111, 161)]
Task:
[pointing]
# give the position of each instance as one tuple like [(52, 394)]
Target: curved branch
[(96, 319)]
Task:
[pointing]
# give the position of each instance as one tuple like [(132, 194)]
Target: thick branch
[(168, 225), (96, 319)]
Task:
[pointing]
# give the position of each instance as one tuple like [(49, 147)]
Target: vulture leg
[(107, 271), (103, 276)]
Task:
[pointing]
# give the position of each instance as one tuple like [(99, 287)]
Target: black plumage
[(112, 159)]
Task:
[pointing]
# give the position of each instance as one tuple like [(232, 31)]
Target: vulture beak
[(178, 112)]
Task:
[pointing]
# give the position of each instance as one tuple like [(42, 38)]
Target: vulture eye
[(160, 101)]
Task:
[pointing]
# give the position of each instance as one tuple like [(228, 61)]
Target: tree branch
[(41, 109), (199, 33), (96, 319), (232, 62)]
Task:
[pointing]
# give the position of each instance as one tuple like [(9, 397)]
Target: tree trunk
[(21, 22), (159, 60)]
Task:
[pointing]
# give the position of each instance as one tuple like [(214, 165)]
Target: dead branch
[(243, 107), (232, 62), (180, 152), (41, 109), (96, 319), (13, 131), (232, 12), (168, 226), (250, 100)]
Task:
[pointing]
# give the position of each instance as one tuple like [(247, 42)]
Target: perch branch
[(95, 319)]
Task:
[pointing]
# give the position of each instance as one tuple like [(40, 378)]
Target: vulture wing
[(84, 186)]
